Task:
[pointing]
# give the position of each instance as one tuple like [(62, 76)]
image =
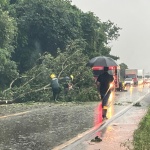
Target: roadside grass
[(141, 137)]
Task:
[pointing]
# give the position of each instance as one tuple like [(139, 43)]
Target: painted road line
[(17, 114)]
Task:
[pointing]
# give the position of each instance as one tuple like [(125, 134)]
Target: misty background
[(133, 45)]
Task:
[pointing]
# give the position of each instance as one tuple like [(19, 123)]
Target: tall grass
[(141, 136)]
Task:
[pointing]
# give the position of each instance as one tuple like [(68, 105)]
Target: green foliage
[(35, 83), (92, 33), (111, 30), (122, 70), (8, 68), (141, 135), (44, 26), (113, 57), (3, 3), (49, 25), (14, 1), (50, 36), (7, 30), (97, 34)]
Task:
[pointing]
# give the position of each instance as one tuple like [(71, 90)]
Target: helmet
[(71, 76), (52, 75)]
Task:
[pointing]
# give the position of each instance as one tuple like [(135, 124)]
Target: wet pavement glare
[(118, 134)]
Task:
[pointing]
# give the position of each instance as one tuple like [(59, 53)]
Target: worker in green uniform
[(55, 87)]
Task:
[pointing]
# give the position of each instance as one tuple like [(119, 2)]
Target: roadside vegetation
[(39, 38), (141, 135)]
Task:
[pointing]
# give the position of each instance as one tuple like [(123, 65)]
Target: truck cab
[(132, 73)]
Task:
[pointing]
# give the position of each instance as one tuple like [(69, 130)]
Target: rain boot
[(104, 114)]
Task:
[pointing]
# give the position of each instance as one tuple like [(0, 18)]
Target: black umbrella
[(102, 61)]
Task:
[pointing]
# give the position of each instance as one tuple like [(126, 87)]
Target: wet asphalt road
[(117, 132), (46, 127)]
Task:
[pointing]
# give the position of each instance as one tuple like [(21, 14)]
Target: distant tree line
[(38, 38)]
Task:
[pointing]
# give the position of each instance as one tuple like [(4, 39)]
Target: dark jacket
[(105, 79), (55, 83)]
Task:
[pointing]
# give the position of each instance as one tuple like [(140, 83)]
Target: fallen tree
[(34, 85)]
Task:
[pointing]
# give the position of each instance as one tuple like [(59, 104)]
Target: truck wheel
[(120, 86)]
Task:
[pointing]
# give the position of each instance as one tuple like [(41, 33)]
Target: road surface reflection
[(132, 94), (110, 111)]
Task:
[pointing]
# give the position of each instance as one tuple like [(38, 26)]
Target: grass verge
[(141, 138)]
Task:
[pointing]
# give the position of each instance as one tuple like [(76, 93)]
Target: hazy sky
[(133, 16)]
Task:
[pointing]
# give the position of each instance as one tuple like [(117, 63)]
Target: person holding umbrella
[(103, 82)]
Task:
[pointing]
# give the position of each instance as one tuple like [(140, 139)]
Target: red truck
[(114, 70), (132, 73)]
